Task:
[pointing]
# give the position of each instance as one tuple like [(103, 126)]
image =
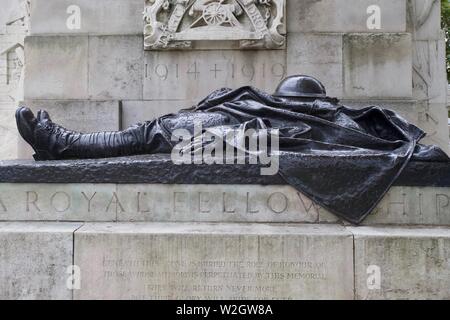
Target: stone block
[(9, 136), (424, 19), (134, 111), (115, 67), (56, 67), (106, 17), (402, 263), (432, 119), (344, 15), (80, 115), (377, 65), (34, 260), (193, 75), (57, 202), (214, 261), (317, 55), (429, 71)]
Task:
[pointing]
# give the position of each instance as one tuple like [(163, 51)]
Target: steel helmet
[(301, 86)]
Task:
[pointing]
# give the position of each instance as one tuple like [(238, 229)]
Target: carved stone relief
[(245, 24), (14, 51)]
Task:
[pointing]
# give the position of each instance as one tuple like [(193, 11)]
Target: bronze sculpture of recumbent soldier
[(345, 159)]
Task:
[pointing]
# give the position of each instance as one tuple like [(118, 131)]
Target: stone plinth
[(153, 189), (214, 261)]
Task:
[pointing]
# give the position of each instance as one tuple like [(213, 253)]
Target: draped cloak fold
[(344, 159)]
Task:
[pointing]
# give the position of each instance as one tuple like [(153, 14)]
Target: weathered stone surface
[(214, 203), (402, 263), (214, 261), (206, 203), (317, 55), (423, 19), (344, 15), (56, 67), (195, 74), (80, 115), (432, 119), (429, 71), (190, 203), (135, 111), (34, 260), (57, 202), (9, 136), (109, 17), (377, 65), (115, 67)]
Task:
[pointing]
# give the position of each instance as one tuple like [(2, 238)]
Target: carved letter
[(442, 201), (278, 197), (176, 200), (139, 203), (224, 202), (33, 202), (202, 201), (89, 199), (52, 201), (311, 206), (2, 205), (115, 200), (249, 210), (403, 204)]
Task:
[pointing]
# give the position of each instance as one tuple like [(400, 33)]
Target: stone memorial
[(143, 227)]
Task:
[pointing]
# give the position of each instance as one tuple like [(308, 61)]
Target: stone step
[(222, 261)]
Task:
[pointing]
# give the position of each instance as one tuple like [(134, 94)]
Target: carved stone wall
[(429, 70), (13, 28)]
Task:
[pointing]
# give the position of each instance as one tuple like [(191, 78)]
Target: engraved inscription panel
[(192, 75), (206, 203), (207, 261)]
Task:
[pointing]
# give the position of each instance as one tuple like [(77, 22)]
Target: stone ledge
[(159, 169)]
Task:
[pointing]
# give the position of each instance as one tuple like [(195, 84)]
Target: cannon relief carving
[(234, 24)]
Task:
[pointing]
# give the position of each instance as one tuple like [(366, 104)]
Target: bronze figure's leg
[(51, 141)]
